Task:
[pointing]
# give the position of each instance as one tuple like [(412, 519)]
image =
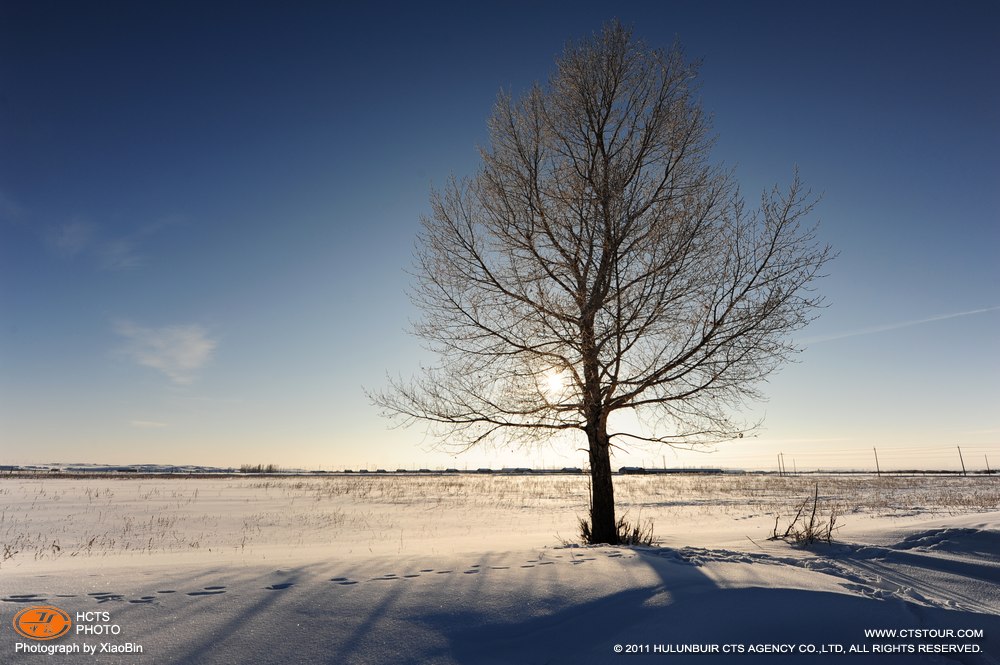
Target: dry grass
[(804, 532), (92, 517)]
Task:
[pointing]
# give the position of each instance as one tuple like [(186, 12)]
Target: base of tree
[(626, 533)]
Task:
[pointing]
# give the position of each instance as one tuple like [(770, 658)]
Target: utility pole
[(779, 464), (877, 469), (988, 472), (962, 460)]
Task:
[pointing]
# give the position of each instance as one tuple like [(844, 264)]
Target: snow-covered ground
[(482, 569)]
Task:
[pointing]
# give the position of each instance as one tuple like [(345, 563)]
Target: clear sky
[(207, 211)]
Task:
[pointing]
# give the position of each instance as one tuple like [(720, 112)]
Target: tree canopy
[(598, 261)]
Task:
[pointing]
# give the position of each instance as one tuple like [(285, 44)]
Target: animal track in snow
[(106, 596), (343, 581)]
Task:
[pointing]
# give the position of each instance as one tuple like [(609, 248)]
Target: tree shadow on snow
[(689, 608)]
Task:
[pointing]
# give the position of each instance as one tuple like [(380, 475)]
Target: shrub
[(802, 532), (627, 532)]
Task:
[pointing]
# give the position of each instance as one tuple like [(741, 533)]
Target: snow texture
[(471, 570)]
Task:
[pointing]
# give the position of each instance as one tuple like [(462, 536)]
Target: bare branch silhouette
[(598, 243)]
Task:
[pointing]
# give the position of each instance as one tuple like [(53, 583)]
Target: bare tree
[(596, 263)]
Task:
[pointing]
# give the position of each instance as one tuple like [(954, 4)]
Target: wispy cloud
[(72, 238), (108, 251), (837, 439), (120, 254), (147, 424), (10, 211), (178, 351), (896, 326)]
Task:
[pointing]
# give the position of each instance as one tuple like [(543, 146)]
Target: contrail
[(896, 326)]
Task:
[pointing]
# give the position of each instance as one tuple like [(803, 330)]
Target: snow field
[(479, 569)]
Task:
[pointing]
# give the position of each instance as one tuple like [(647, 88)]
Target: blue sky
[(207, 213)]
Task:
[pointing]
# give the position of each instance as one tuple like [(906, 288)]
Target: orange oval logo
[(43, 622)]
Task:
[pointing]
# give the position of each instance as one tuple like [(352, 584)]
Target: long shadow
[(305, 632), (506, 615), (688, 608), (230, 637)]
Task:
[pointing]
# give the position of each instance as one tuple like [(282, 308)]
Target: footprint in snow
[(143, 600), (106, 596), (208, 591), (343, 580), (25, 598), (279, 587)]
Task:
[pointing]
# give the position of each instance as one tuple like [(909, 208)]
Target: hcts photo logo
[(42, 622)]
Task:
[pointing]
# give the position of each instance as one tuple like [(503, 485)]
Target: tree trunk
[(602, 491)]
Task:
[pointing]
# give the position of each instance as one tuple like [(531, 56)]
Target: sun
[(554, 382)]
